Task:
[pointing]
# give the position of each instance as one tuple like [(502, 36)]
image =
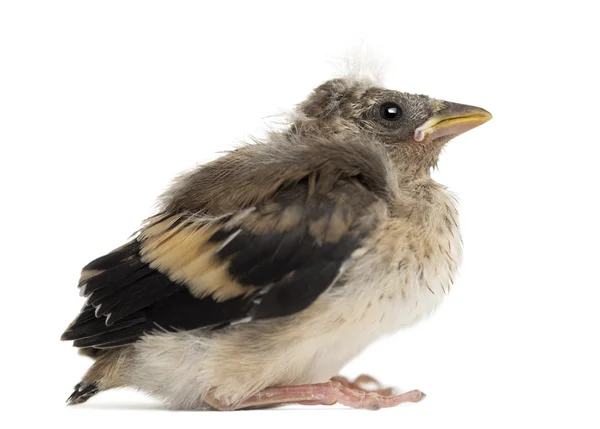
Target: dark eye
[(390, 111)]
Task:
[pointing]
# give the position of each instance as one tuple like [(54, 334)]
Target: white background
[(102, 103)]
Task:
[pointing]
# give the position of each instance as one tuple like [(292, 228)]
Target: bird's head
[(413, 128)]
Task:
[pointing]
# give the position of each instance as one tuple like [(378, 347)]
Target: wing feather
[(184, 271)]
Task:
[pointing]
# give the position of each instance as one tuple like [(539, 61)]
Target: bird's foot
[(328, 393), (366, 383)]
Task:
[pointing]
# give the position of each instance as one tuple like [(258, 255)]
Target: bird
[(264, 271)]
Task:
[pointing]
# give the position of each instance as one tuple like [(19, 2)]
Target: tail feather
[(83, 391), (108, 371)]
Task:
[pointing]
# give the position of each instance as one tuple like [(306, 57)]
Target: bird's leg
[(318, 394), (365, 383)]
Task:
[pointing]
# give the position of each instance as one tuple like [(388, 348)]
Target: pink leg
[(362, 382), (320, 394)]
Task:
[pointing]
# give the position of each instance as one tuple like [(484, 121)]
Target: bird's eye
[(390, 111)]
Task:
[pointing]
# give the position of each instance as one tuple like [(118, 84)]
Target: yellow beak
[(452, 120)]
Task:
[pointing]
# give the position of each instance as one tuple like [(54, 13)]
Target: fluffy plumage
[(280, 261)]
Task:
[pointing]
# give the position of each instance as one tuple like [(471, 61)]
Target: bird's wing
[(185, 272)]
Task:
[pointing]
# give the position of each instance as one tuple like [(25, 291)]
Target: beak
[(452, 120)]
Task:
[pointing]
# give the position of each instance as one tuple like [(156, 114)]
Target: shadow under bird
[(267, 270)]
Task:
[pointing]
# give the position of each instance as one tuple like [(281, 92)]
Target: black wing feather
[(284, 270)]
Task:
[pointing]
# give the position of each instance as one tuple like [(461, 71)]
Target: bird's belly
[(367, 307), (403, 301), (386, 300)]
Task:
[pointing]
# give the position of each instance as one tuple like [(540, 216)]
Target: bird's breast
[(407, 271), (399, 281)]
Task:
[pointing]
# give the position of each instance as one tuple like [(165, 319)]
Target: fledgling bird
[(267, 270)]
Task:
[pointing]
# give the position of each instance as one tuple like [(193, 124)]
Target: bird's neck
[(412, 164), (411, 172)]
